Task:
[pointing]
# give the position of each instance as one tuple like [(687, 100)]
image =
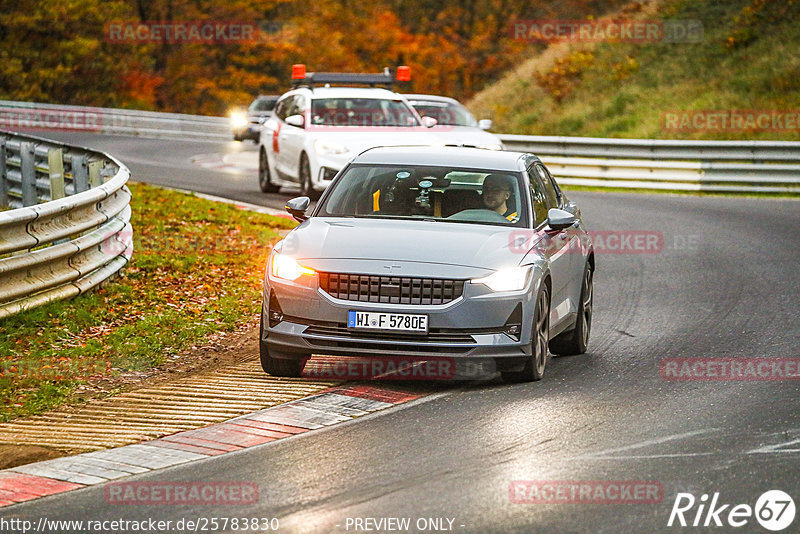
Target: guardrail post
[(3, 179), (28, 168), (80, 173), (94, 173), (55, 162)]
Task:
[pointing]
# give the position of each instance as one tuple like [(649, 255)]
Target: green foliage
[(747, 60)]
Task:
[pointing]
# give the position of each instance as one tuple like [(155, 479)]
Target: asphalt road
[(724, 285), (169, 163)]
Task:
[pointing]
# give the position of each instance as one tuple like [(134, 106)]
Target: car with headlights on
[(247, 124), (428, 252), (324, 121), (454, 123)]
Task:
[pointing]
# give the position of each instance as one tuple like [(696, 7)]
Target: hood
[(401, 247), (359, 139)]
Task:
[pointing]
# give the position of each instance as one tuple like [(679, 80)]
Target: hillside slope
[(748, 59)]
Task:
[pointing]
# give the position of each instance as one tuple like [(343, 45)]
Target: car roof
[(476, 158), (432, 98), (349, 92)]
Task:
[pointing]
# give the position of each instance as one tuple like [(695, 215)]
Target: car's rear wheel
[(264, 176), (535, 365), (575, 341), (305, 178), (276, 366)]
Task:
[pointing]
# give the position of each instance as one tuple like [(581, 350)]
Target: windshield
[(445, 113), (448, 194), (361, 112)]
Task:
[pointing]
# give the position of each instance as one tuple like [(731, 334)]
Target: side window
[(550, 195), (295, 107), (537, 197), (299, 105), (282, 109), (557, 189)]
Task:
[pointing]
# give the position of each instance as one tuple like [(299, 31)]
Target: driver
[(497, 190)]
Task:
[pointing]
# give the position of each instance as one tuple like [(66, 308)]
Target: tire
[(285, 367), (264, 176), (306, 189), (575, 341), (535, 365)]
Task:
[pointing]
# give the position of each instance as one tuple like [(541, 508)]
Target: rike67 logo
[(774, 511)]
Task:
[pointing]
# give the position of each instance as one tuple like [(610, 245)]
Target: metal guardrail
[(677, 165), (150, 124), (68, 228)]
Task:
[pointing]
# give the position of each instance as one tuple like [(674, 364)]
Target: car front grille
[(390, 289), (436, 335)]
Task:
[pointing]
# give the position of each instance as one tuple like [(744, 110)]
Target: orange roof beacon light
[(403, 73), (309, 79), (298, 71)]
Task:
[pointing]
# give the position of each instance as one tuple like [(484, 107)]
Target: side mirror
[(297, 208), (559, 219), (429, 122), (485, 124), (296, 120)]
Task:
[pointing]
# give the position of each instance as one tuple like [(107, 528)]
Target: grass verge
[(196, 271)]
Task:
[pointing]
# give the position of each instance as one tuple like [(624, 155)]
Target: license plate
[(398, 322)]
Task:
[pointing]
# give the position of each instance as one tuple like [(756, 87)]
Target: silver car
[(432, 252), (455, 125)]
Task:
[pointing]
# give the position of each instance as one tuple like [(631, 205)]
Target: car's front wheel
[(575, 341), (264, 176), (306, 188), (535, 365), (275, 366)]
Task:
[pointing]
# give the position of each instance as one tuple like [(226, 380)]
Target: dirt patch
[(216, 351), (14, 455)]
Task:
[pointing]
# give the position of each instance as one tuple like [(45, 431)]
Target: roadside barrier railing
[(64, 220), (656, 164), (666, 164)]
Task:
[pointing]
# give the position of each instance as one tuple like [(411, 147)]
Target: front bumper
[(474, 325)]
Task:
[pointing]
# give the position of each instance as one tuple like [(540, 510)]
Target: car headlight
[(514, 279), (491, 147), (323, 146), (287, 268), (239, 120)]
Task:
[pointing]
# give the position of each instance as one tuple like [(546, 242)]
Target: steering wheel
[(480, 214)]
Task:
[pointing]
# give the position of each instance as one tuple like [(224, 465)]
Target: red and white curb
[(330, 407)]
